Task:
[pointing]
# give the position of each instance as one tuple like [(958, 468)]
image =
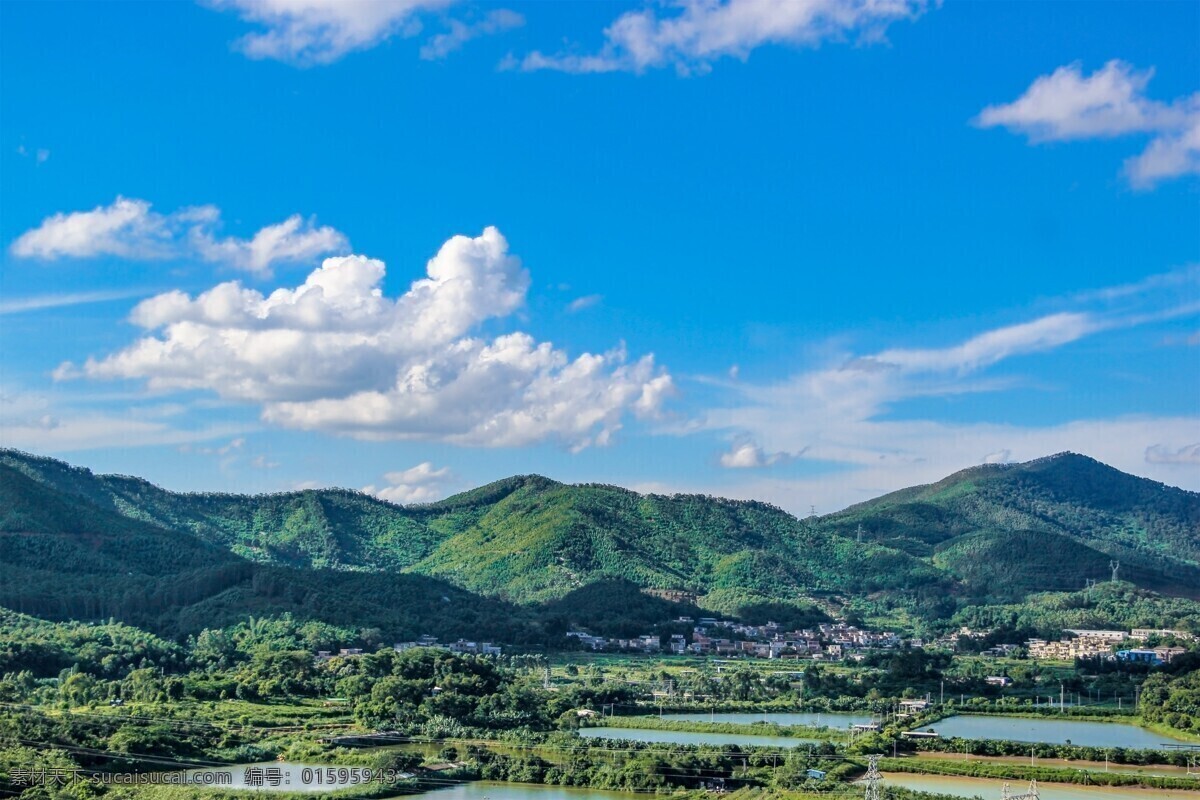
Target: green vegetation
[(152, 630), (1053, 523), (1120, 606), (1019, 772), (550, 556), (1172, 698)]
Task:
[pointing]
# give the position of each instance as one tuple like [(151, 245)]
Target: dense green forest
[(524, 559), (1049, 524)]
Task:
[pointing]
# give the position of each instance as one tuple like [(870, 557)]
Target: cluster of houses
[(1082, 643), (711, 636), (829, 642), (345, 652), (462, 646), (646, 643)]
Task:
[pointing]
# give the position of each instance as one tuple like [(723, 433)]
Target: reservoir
[(522, 791), (990, 788), (694, 737), (830, 719), (1051, 731)]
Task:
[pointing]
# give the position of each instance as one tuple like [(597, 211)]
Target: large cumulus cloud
[(335, 354)]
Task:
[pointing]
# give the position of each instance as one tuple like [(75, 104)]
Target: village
[(835, 641), (711, 636)]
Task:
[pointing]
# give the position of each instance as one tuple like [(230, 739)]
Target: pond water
[(1051, 731), (835, 719), (693, 737), (990, 788), (282, 776), (521, 791)]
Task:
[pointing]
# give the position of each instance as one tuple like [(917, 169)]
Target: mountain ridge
[(990, 533)]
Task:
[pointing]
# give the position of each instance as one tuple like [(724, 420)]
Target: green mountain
[(525, 539), (544, 555), (1049, 524), (62, 556)]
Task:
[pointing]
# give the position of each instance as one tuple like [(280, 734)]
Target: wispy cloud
[(1066, 105), (581, 303), (443, 44), (704, 31), (35, 421), (839, 413), (312, 32), (1162, 454), (18, 305)]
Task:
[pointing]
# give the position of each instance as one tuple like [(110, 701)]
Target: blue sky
[(806, 252)]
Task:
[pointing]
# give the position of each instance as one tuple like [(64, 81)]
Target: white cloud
[(704, 31), (334, 354), (925, 452), (1067, 105), (841, 412), (226, 449), (40, 423), (420, 484), (1160, 454), (748, 455), (1168, 155), (310, 32), (293, 241), (18, 305), (580, 303), (129, 228), (443, 44), (987, 348), (999, 457)]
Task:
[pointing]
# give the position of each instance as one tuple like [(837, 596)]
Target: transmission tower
[(859, 532), (873, 778), (1030, 794), (1114, 566)]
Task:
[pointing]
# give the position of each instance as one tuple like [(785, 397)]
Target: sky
[(805, 252)]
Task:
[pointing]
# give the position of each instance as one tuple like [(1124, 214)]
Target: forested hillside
[(1053, 523), (524, 539), (548, 555)]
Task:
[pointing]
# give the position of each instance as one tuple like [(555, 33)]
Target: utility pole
[(942, 694), (1061, 696)]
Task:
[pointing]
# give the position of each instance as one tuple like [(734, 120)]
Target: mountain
[(63, 556), (1049, 524), (543, 555), (525, 539)]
